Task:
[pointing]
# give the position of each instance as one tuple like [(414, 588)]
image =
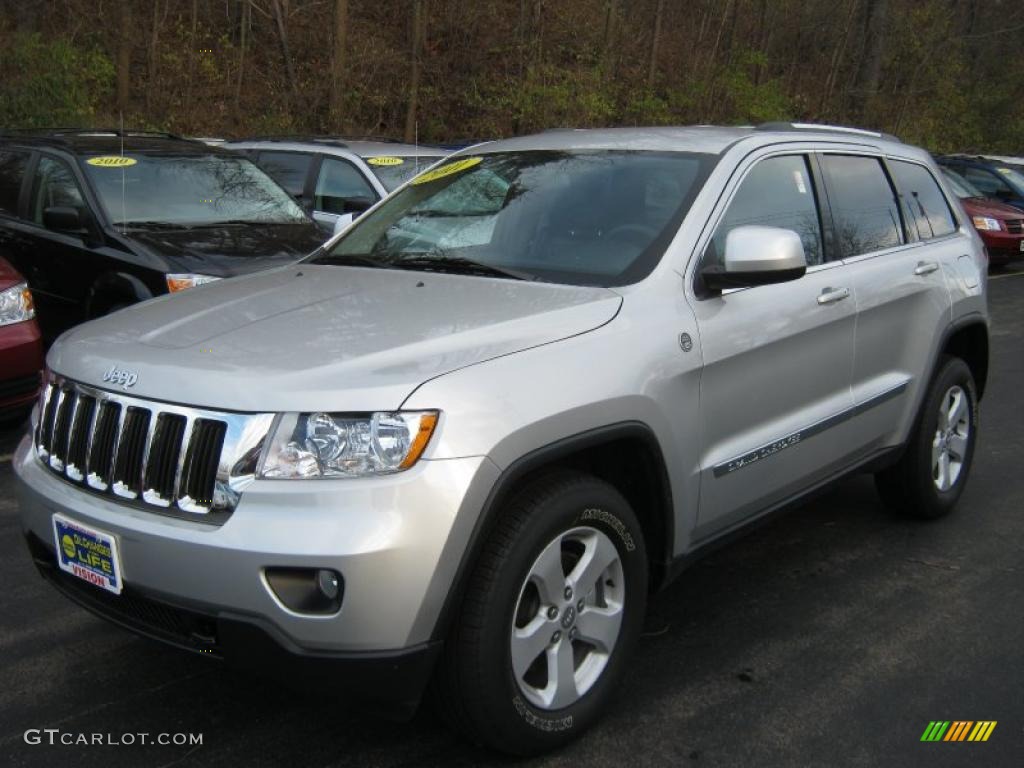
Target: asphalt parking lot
[(830, 637)]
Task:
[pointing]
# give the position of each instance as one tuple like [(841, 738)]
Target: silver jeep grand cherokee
[(462, 442)]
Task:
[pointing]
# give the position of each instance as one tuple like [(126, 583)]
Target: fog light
[(328, 583), (307, 590)]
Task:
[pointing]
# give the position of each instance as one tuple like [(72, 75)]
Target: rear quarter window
[(923, 201)]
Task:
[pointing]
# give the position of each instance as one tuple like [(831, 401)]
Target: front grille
[(161, 456), (11, 388), (1015, 226)]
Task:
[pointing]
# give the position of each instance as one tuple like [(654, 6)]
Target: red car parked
[(1001, 226), (21, 347)]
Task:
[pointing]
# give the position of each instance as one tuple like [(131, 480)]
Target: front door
[(775, 388)]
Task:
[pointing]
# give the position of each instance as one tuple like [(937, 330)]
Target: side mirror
[(343, 222), (756, 255), (63, 218)]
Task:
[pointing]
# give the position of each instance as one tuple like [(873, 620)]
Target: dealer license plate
[(88, 553)]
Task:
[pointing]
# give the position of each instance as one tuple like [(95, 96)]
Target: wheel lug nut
[(573, 632), (552, 613), (579, 607), (556, 637), (568, 593)]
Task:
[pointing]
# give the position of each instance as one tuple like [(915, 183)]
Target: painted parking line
[(6, 457), (1007, 274)]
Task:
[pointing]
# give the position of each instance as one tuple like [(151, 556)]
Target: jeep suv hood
[(310, 337)]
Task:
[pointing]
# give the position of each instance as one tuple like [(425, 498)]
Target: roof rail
[(60, 132), (824, 128)]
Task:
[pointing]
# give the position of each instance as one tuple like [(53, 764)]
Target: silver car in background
[(334, 177), (463, 442)]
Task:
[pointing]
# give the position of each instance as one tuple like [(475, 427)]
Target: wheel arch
[(968, 340), (107, 289), (628, 455)]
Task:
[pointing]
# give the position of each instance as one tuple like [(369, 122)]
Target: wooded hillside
[(943, 73)]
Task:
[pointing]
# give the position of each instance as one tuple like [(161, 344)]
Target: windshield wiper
[(150, 225), (321, 256), (459, 265)]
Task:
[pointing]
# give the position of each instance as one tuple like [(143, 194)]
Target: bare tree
[(338, 59), (652, 64), (282, 37), (870, 70), (124, 56), (414, 73)]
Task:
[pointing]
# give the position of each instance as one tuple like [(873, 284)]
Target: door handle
[(832, 295), (925, 267)]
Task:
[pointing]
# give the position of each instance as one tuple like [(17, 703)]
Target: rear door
[(903, 304), (340, 188), (775, 387)]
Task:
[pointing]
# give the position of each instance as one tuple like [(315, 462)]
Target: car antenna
[(124, 182)]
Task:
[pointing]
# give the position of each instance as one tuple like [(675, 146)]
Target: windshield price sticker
[(111, 161), (447, 170), (384, 161)]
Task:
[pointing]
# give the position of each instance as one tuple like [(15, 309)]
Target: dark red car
[(1001, 226), (21, 347)]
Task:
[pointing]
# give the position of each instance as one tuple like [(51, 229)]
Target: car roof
[(339, 145), (709, 139), (103, 141)]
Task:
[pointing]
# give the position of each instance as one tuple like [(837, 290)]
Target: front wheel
[(929, 478), (553, 609)]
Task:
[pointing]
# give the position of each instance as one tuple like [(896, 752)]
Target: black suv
[(97, 220)]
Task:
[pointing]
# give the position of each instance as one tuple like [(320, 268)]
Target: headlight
[(986, 223), (347, 445), (180, 282), (16, 305)]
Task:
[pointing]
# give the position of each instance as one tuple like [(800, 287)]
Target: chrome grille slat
[(168, 458), (58, 431), (78, 435)]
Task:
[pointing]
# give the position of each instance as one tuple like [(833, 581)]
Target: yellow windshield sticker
[(447, 170), (384, 161), (111, 161)]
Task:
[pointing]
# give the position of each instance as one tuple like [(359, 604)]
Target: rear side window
[(923, 201), (12, 172), (341, 188), (864, 206), (289, 169), (776, 193)]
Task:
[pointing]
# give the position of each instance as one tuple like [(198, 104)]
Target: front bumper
[(1002, 246), (391, 539)]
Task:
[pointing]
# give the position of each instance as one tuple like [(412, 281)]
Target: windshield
[(584, 218), (395, 170), (962, 188), (188, 190), (1014, 178)]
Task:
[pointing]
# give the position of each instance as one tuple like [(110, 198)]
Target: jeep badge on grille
[(120, 376)]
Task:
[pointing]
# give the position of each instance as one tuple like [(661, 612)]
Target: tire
[(915, 486), (562, 520)]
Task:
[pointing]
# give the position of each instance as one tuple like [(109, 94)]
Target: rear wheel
[(931, 475), (552, 611)]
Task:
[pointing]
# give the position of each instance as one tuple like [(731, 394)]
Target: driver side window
[(54, 187), (777, 192)]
